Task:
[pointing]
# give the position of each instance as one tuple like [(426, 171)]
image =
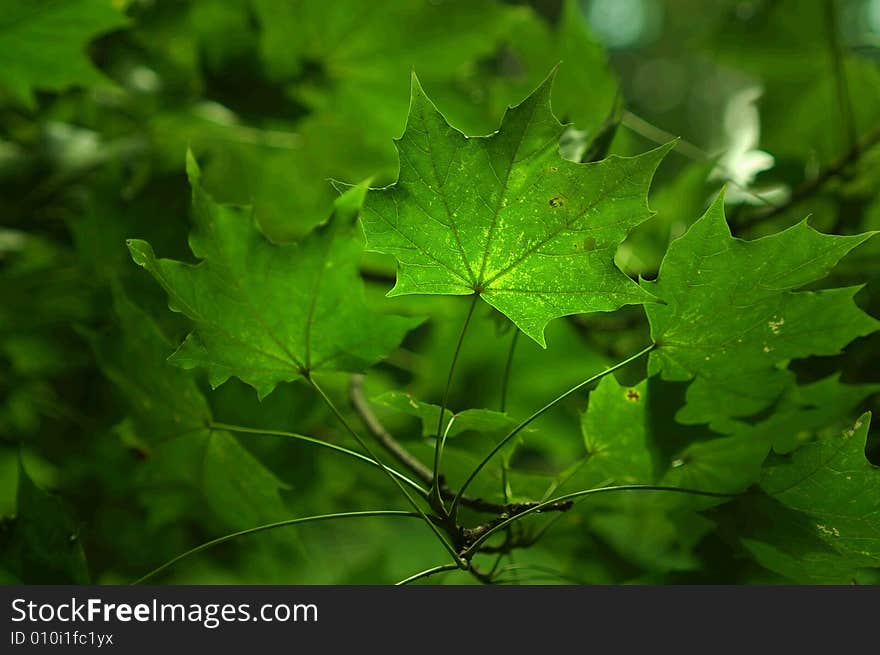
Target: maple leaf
[(506, 217), (805, 412), (732, 319), (169, 426), (817, 518), (616, 435), (268, 313), (43, 44), (832, 481), (627, 444)]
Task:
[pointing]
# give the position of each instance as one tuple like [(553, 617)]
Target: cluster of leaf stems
[(428, 494)]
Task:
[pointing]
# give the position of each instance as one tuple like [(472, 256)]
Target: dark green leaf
[(732, 318), (43, 44), (267, 313)]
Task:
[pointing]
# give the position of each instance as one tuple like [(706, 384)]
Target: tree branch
[(811, 187), (388, 442), (422, 472)]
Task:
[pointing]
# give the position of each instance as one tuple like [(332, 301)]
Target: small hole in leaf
[(633, 396), (553, 169), (557, 201)]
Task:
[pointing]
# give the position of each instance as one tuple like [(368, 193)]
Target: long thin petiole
[(323, 444), (588, 492), (508, 366), (505, 459), (427, 573), (272, 526), (363, 444), (544, 529), (515, 431), (441, 437)]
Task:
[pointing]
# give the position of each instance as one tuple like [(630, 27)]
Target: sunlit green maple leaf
[(506, 217), (43, 42), (732, 318), (267, 313)]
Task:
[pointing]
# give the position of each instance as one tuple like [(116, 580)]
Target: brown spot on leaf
[(138, 453), (557, 201), (633, 396)]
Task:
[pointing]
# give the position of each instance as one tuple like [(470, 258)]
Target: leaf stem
[(510, 435), (441, 433), (508, 366), (505, 458), (323, 444), (427, 573), (501, 525), (363, 444), (422, 472), (271, 526)]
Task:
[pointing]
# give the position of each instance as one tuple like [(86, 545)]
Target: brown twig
[(811, 187), (388, 442), (419, 469)]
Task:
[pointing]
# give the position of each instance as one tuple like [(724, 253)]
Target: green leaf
[(268, 313), (732, 320), (41, 544), (43, 44), (658, 532), (817, 520), (162, 400), (349, 67), (784, 541), (347, 61), (625, 445), (833, 482), (616, 434), (468, 420), (168, 427), (507, 217), (585, 89), (805, 412)]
